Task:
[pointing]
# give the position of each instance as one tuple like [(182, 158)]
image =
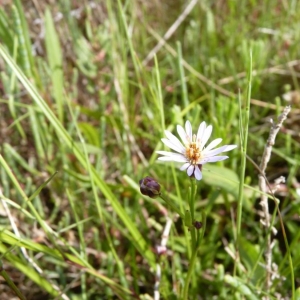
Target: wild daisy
[(192, 151)]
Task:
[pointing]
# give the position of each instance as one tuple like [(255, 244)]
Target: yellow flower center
[(193, 152)]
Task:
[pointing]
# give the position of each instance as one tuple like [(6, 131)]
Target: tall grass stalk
[(244, 128)]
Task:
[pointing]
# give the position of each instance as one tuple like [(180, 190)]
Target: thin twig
[(188, 67), (170, 31), (262, 185), (280, 218), (272, 70)]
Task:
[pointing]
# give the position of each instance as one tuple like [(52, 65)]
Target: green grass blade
[(26, 36), (12, 240), (26, 269), (244, 142), (54, 55), (6, 32), (19, 27), (10, 282)]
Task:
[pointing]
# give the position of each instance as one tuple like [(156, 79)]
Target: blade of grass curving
[(38, 190), (26, 269), (11, 97), (6, 31), (10, 282), (19, 159), (9, 238), (54, 56), (27, 201), (136, 237), (71, 226), (16, 206), (182, 77)]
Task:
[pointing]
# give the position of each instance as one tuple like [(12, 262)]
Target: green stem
[(192, 210), (194, 240), (172, 205), (189, 274), (244, 140), (10, 282), (192, 198), (200, 235), (193, 236)]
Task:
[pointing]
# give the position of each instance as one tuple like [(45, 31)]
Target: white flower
[(192, 151)]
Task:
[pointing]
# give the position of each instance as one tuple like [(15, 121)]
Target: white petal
[(185, 166), (201, 131), (171, 154), (182, 134), (188, 129), (173, 158), (206, 135), (173, 139), (166, 153), (171, 145), (217, 151), (213, 144), (212, 159), (190, 170), (198, 173)]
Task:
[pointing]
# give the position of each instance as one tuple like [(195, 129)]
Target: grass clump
[(83, 110)]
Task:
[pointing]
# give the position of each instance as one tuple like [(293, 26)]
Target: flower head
[(192, 151), (150, 187)]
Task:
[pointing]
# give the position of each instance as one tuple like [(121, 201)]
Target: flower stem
[(172, 205), (189, 274), (195, 239), (192, 210), (192, 198), (193, 260)]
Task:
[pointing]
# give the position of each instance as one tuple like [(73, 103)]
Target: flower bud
[(197, 225), (150, 187)]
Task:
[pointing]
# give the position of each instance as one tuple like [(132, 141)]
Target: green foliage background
[(82, 115)]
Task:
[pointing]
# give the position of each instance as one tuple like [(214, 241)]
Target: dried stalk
[(266, 219), (170, 31)]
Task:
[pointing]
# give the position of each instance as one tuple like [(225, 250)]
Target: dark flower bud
[(150, 187), (197, 225)]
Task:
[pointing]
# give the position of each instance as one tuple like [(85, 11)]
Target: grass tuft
[(87, 92)]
